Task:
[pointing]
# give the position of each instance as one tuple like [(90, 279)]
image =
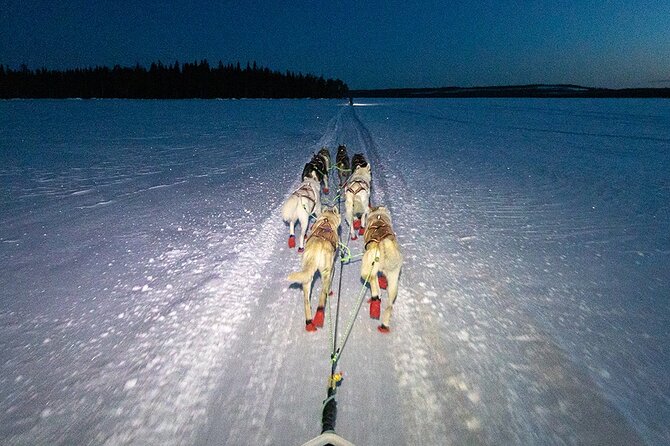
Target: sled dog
[(358, 160), (324, 153), (313, 169), (318, 256), (382, 254), (342, 163), (357, 199), (318, 167), (299, 206)]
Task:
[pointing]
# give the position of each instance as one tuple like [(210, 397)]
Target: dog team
[(382, 260)]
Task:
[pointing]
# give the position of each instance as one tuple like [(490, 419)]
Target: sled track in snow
[(411, 351), (379, 170), (198, 346)]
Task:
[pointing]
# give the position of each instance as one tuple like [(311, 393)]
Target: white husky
[(357, 198), (299, 206), (319, 256), (382, 254)]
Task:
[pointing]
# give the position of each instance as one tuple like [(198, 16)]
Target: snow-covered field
[(143, 292)]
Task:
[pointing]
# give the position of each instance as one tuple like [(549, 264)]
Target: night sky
[(367, 44)]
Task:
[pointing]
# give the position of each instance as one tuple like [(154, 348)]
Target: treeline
[(174, 81)]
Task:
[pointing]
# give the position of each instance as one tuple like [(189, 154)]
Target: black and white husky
[(358, 160), (342, 163), (319, 165), (324, 153)]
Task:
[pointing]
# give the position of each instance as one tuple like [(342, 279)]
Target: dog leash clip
[(335, 380)]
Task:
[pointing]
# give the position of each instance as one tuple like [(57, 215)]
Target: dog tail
[(384, 256), (288, 211), (300, 276), (310, 264), (370, 264), (390, 254)]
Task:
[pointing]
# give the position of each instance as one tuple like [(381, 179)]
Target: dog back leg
[(307, 290), (369, 269), (392, 277), (305, 278), (349, 216), (291, 234), (364, 215), (304, 223), (326, 281), (326, 189)]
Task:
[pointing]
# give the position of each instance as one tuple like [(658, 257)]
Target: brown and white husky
[(319, 256), (382, 255)]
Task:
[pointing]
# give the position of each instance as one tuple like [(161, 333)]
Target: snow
[(144, 300)]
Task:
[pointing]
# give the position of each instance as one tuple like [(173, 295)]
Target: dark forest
[(174, 81)]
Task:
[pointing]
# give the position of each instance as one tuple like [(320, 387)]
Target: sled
[(328, 438)]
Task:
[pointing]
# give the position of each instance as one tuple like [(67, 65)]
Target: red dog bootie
[(318, 317), (383, 283), (357, 224), (355, 237), (361, 230), (383, 329), (291, 241), (309, 325), (375, 307), (326, 190)]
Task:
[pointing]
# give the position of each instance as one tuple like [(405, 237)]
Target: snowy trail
[(145, 301), (290, 366)]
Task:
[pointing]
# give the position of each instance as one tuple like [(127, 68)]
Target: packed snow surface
[(143, 259)]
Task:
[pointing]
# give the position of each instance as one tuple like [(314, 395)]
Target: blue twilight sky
[(367, 44)]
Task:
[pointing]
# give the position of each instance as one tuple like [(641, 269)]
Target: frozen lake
[(144, 300)]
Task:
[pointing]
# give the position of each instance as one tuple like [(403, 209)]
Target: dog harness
[(323, 230), (358, 185), (377, 231), (305, 191)]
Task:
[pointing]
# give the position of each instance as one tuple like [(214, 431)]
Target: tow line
[(329, 413)]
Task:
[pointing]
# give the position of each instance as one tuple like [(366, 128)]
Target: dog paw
[(375, 308), (326, 191), (318, 317), (301, 250), (354, 237), (383, 329), (383, 283), (291, 241), (310, 326), (361, 230), (357, 224)]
